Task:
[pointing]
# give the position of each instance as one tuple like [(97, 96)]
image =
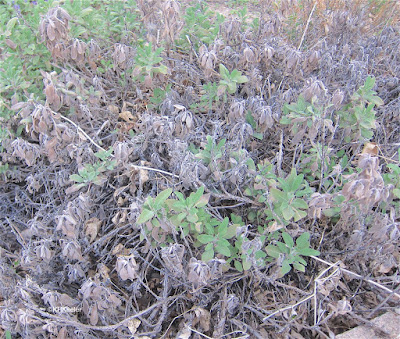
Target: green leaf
[(250, 163), (192, 218), (76, 178), (287, 213), (273, 251), (396, 192), (250, 120), (242, 79), (300, 260), (303, 240), (231, 87), (258, 135), (285, 268), (331, 212), (307, 251), (238, 265), (161, 69), (195, 196), (207, 255), (222, 249), (179, 206), (181, 197), (145, 216), (246, 265), (209, 247), (10, 25), (260, 254), (299, 267), (277, 195), (299, 203), (223, 227), (209, 228), (296, 180), (369, 83), (282, 247), (161, 197), (298, 214), (203, 201), (231, 232), (376, 100), (223, 71), (205, 238), (288, 239)]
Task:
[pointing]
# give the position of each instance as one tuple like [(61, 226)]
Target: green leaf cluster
[(256, 132), (291, 253), (229, 81), (358, 115), (215, 237), (163, 218), (287, 200), (92, 173), (202, 26), (393, 176), (211, 151), (148, 61), (304, 116)]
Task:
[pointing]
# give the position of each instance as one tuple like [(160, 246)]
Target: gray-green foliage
[(148, 62), (201, 26), (92, 173), (164, 219), (230, 80), (211, 151), (358, 116), (291, 253), (288, 199)]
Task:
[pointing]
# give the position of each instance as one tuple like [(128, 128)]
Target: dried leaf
[(94, 316), (92, 227), (133, 325), (203, 317), (11, 44), (51, 34), (127, 116), (370, 148), (127, 267), (113, 109), (184, 333)]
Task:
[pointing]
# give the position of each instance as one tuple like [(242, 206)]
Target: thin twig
[(360, 277), (83, 132), (280, 156), (155, 170), (199, 333), (305, 30)]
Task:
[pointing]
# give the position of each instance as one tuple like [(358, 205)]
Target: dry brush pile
[(182, 180)]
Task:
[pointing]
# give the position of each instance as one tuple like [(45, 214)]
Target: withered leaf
[(94, 316), (370, 148), (51, 34), (11, 44), (133, 325), (127, 116), (92, 227), (127, 267)]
